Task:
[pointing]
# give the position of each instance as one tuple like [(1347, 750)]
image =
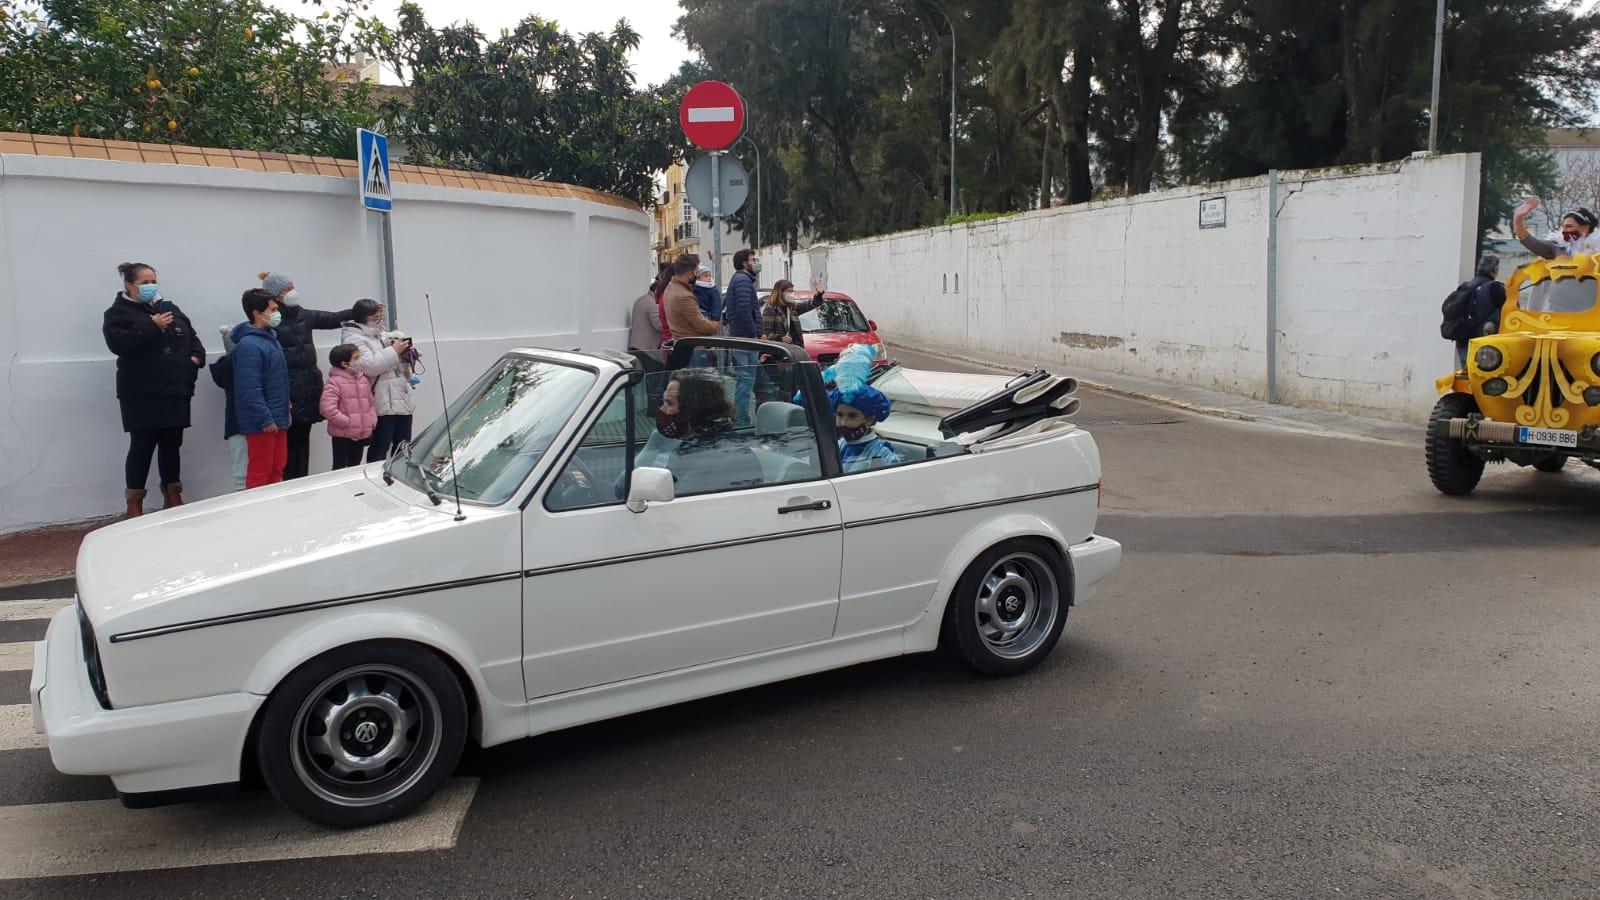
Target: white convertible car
[(631, 532)]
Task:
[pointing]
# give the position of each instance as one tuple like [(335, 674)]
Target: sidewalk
[(1197, 400), (39, 564)]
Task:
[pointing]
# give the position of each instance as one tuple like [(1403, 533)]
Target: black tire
[(1551, 464), (1033, 597), (1453, 469), (401, 682)]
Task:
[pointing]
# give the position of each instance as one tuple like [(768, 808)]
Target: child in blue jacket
[(261, 389)]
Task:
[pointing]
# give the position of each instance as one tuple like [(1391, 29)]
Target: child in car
[(857, 406)]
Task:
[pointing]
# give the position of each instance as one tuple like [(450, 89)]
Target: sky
[(657, 58)]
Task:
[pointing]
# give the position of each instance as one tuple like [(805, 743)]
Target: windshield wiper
[(405, 454)]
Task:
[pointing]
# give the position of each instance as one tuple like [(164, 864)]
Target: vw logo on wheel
[(367, 732)]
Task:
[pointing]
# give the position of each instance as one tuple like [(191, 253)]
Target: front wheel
[(362, 734), (1453, 469), (1009, 607), (1551, 464)]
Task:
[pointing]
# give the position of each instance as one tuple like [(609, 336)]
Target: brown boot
[(135, 500), (172, 495)]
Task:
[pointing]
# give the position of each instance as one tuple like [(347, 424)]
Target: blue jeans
[(744, 383), (239, 456), (1461, 355)]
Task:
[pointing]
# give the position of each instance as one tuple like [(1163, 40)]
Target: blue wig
[(849, 376)]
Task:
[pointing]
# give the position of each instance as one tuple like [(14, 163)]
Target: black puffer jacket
[(156, 371), (300, 352)]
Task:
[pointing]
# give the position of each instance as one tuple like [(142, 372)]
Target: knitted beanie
[(274, 283)]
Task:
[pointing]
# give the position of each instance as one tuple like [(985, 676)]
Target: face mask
[(149, 293), (704, 284), (789, 299), (376, 320), (755, 267), (275, 319), (292, 298), (855, 434), (671, 425)]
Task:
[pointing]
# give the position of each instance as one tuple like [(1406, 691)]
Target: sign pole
[(390, 301), (716, 219)]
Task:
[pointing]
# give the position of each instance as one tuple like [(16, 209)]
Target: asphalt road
[(1312, 676)]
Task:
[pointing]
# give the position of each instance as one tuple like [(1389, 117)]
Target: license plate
[(1549, 437)]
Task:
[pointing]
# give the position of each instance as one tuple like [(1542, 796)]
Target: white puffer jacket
[(392, 393)]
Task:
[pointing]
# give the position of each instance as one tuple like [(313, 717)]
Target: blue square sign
[(372, 164)]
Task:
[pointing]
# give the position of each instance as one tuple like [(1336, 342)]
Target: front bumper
[(1092, 561), (159, 747)]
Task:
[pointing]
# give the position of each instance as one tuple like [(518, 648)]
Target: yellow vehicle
[(1530, 393)]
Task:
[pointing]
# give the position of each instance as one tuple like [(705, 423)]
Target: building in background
[(677, 227)]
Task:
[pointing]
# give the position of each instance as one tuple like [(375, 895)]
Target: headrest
[(777, 417)]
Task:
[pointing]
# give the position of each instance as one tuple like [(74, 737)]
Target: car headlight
[(1494, 387), (1488, 358), (1591, 396), (1594, 363)]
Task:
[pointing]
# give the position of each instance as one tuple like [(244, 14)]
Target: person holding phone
[(158, 360), (384, 362)]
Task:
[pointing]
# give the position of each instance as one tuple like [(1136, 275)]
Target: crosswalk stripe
[(99, 836), (16, 657), (16, 728), (16, 610)]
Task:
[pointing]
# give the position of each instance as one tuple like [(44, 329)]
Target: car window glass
[(1559, 295), (834, 315), (499, 429), (689, 422)]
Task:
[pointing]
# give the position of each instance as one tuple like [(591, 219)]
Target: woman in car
[(1577, 234), (697, 414)]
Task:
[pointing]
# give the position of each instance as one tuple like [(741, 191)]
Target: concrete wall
[(1365, 256), (503, 270)]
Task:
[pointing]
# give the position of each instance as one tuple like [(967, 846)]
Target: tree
[(536, 102), (234, 73)]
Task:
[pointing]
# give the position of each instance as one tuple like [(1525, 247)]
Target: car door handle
[(805, 507)]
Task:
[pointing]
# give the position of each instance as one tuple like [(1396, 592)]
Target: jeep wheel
[(1453, 469), (1551, 464)]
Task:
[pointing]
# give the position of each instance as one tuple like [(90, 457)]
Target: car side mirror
[(649, 485), (871, 325)]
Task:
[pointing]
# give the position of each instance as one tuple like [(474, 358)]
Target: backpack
[(1460, 315)]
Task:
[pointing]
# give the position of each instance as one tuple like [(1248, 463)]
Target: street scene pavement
[(1313, 675)]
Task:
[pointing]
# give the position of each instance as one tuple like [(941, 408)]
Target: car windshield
[(834, 315), (500, 428), (1558, 295)]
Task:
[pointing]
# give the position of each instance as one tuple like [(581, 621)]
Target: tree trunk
[(1152, 65), (1072, 113), (1044, 164)]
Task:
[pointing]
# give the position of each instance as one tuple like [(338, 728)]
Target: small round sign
[(712, 115)]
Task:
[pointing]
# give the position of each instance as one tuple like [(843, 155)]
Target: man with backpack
[(1473, 309)]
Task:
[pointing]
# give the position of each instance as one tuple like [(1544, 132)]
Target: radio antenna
[(449, 436)]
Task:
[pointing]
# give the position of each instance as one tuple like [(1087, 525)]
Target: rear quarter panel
[(911, 531)]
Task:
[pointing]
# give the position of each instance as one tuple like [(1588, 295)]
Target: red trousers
[(268, 454)]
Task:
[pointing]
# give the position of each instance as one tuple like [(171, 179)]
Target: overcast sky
[(657, 58)]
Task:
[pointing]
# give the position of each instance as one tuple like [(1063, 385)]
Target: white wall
[(503, 270), (1365, 256)]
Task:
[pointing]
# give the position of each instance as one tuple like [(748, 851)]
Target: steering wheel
[(577, 486)]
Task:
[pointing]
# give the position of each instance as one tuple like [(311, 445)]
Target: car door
[(746, 561)]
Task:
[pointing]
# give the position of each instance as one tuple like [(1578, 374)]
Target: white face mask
[(704, 283), (292, 298)]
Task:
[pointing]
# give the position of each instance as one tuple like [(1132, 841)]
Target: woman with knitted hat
[(295, 336)]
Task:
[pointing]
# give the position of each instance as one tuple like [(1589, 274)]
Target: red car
[(837, 324)]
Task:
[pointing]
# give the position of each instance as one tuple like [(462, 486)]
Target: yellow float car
[(1530, 393)]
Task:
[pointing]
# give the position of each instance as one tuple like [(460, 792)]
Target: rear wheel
[(362, 734), (1009, 607), (1551, 464), (1453, 469)]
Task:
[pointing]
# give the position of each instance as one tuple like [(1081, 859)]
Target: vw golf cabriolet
[(583, 536)]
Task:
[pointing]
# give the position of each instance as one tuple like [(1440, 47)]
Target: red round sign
[(712, 115)]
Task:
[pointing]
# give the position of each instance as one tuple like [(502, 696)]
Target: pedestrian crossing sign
[(372, 163)]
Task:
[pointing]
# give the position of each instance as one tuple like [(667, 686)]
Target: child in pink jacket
[(348, 407)]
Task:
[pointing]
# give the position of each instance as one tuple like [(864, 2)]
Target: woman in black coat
[(300, 352), (158, 358)]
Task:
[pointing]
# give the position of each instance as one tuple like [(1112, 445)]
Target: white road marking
[(16, 657), (16, 728), (711, 114), (99, 836), (17, 610)]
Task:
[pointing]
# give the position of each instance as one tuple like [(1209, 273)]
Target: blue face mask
[(149, 293)]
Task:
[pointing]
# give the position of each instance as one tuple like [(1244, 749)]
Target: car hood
[(162, 558), (835, 341)]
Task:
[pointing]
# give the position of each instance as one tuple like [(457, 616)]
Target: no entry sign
[(712, 115)]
